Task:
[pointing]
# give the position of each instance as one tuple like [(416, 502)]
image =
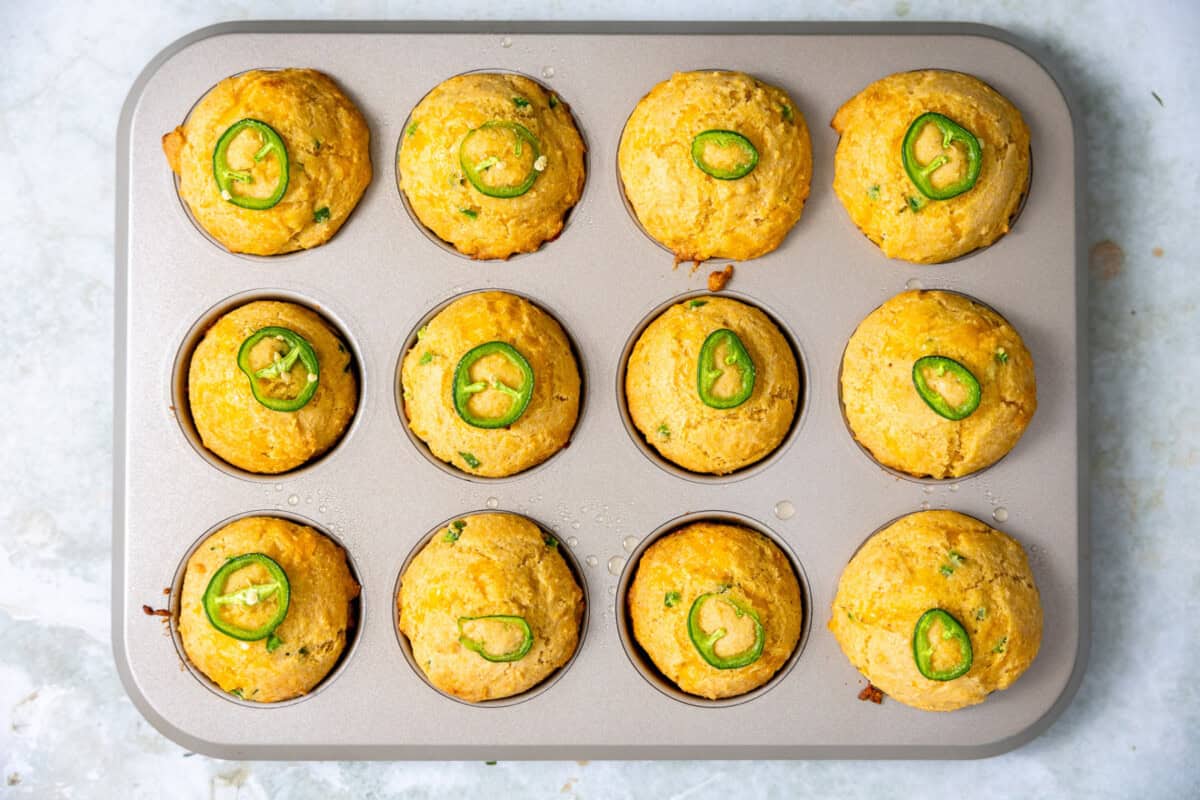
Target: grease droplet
[(784, 509), (573, 541), (506, 41), (913, 283), (924, 505), (614, 565), (492, 502), (322, 508), (547, 72), (279, 487), (612, 590), (592, 561), (629, 543), (954, 487), (1000, 514), (575, 524), (293, 499)]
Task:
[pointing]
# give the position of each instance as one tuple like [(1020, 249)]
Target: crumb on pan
[(720, 278), (871, 692)]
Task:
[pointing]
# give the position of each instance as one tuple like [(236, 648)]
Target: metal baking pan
[(380, 496)]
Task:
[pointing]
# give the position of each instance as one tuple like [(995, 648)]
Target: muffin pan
[(379, 495)]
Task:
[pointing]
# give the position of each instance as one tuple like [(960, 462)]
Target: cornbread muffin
[(716, 164), (494, 413), (938, 560), (316, 596), (710, 577), (492, 163), (490, 607), (983, 187), (668, 364), (238, 397), (930, 337), (327, 158)]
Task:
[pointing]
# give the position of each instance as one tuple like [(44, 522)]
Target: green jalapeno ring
[(934, 400), (922, 174), (476, 646), (279, 587), (299, 349), (464, 387), (723, 138), (474, 172), (705, 642), (923, 648), (708, 371), (226, 176)]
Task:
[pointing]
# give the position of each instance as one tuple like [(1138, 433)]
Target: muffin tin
[(379, 495)]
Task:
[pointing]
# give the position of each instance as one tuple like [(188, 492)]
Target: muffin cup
[(663, 463), (183, 358), (357, 613), (642, 662), (532, 692)]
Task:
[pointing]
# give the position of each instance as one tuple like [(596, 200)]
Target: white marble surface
[(66, 727)]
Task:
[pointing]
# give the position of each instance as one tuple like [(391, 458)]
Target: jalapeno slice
[(709, 369), (227, 176), (276, 588), (722, 139), (475, 169), (464, 387), (705, 642), (922, 174), (272, 385), (480, 647), (924, 647), (941, 368)]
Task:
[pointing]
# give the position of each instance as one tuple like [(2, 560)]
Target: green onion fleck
[(426, 357), (321, 214), (946, 570), (786, 111), (550, 541), (412, 127), (873, 192), (554, 101), (1001, 355), (454, 531), (955, 557), (915, 203), (273, 642), (421, 332), (520, 102), (469, 212), (697, 303), (1000, 645), (470, 460), (671, 599), (664, 431), (981, 613)]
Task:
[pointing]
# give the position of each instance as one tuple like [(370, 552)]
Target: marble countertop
[(66, 726)]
